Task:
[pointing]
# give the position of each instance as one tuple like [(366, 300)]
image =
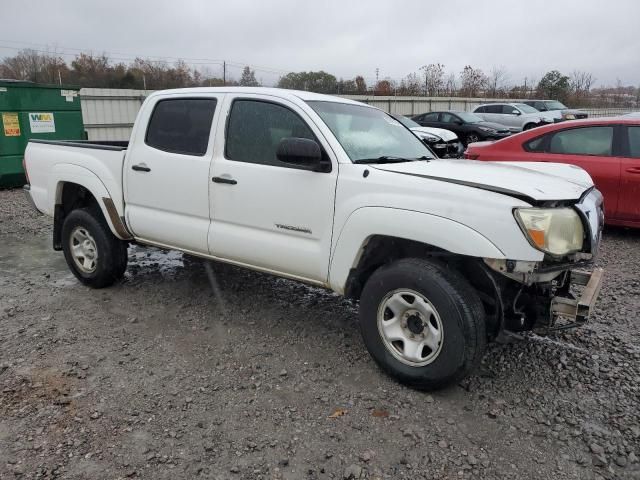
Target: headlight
[(427, 137), (557, 231), (487, 129), (570, 116)]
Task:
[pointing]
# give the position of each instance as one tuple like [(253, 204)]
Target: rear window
[(181, 125), (493, 109)]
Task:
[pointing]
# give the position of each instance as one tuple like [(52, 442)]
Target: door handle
[(635, 170), (140, 168), (229, 181)]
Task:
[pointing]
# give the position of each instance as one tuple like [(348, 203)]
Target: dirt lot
[(169, 376)]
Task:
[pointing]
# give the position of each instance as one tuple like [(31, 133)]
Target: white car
[(444, 143), (515, 116), (443, 255)]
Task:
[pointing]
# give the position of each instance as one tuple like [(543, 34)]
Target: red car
[(607, 148)]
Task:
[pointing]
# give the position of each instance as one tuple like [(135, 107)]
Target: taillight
[(24, 167)]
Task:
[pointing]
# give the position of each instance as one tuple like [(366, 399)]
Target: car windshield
[(469, 117), (407, 122), (526, 108), (554, 105), (367, 133)]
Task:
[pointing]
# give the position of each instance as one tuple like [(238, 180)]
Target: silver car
[(515, 116)]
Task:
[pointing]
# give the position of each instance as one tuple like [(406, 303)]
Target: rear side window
[(536, 145), (583, 141), (430, 117), (480, 110), (256, 128), (634, 142), (181, 125), (493, 109)]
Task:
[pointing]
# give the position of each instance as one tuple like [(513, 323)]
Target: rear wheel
[(422, 323), (529, 126), (95, 256)]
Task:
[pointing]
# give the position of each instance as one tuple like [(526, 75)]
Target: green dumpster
[(30, 110)]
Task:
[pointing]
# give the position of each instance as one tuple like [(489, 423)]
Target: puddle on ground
[(35, 255)]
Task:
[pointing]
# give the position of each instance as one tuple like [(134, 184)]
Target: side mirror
[(515, 112), (301, 152), (458, 122)]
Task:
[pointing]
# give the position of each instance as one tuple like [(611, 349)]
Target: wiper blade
[(391, 159)]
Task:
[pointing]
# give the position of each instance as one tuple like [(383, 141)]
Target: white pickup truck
[(443, 255)]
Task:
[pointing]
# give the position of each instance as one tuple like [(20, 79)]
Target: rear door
[(493, 113), (266, 213), (629, 203), (591, 148), (166, 177)]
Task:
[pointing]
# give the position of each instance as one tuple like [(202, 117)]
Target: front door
[(167, 173), (266, 213)]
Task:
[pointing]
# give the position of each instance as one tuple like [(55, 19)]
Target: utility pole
[(224, 72), (377, 76), (59, 78)]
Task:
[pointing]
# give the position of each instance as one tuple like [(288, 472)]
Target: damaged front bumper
[(577, 309)]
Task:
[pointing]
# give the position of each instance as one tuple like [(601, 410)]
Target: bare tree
[(472, 81), (35, 67), (497, 81), (451, 84), (433, 78)]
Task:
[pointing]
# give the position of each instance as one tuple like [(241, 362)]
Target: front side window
[(448, 118), (181, 125), (583, 141), (256, 128), (634, 142), (367, 133), (509, 110), (525, 108)]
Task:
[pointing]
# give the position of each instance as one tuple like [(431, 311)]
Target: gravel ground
[(168, 376)]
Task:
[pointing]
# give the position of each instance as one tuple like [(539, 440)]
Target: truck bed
[(100, 145), (52, 162)]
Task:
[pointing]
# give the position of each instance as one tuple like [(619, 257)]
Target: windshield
[(554, 105), (368, 133), (407, 122), (526, 108), (469, 117)]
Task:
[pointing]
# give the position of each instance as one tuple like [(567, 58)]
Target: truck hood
[(530, 181), (446, 135)]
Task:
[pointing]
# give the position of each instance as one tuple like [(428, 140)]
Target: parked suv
[(515, 116), (557, 109)]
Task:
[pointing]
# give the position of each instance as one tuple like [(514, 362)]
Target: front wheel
[(422, 323), (472, 138), (94, 255)]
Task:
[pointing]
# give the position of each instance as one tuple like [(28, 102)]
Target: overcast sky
[(345, 38)]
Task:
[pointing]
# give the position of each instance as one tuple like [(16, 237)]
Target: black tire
[(472, 138), (529, 126), (459, 309), (112, 256)]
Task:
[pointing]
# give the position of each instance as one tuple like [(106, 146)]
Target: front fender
[(433, 230), (68, 173)]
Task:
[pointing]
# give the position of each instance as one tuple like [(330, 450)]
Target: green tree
[(554, 85), (320, 82), (361, 85), (248, 78)]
